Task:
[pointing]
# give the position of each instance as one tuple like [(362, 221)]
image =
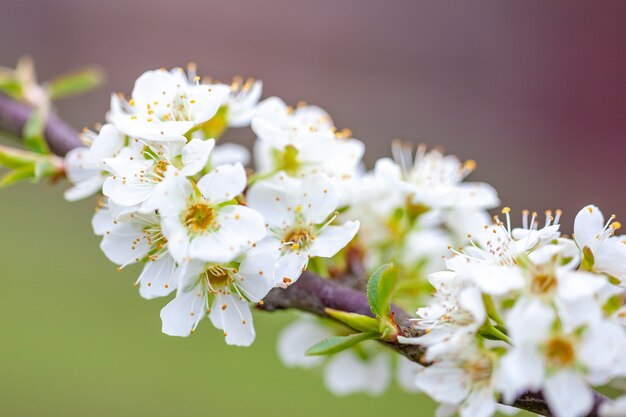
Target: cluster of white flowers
[(411, 210), (189, 213), (527, 310), (516, 309)]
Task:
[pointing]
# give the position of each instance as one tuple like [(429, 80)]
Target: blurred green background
[(77, 340)]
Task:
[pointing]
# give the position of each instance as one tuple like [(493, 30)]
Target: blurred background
[(534, 91)]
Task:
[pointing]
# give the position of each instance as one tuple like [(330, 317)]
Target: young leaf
[(353, 320), (15, 158), (33, 132), (380, 288), (336, 344), (74, 83), (27, 172)]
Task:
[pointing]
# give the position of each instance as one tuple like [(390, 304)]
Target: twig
[(60, 136)]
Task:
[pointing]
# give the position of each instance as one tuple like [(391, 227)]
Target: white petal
[(333, 238), (289, 268), (615, 408), (125, 193), (443, 382), (84, 188), (124, 244), (108, 142), (177, 239), (567, 394), (480, 403), (346, 374), (232, 315), (610, 257), (230, 153), (256, 275), (195, 155), (320, 198), (157, 278), (496, 280), (521, 370), (181, 315), (295, 339), (274, 199), (529, 321), (588, 224), (472, 301), (578, 284), (406, 372), (239, 228), (223, 183)]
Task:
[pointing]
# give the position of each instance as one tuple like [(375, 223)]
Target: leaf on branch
[(380, 290), (337, 344), (10, 86), (33, 132), (76, 82), (27, 172), (353, 320)]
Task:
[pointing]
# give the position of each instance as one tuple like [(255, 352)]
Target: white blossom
[(608, 250), (202, 221), (299, 215), (222, 290), (85, 168), (165, 106)]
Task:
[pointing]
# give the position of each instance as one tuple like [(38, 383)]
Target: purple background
[(534, 91)]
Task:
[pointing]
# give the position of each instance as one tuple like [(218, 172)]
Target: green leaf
[(27, 172), (15, 158), (380, 289), (33, 132), (73, 83), (11, 86), (336, 344), (353, 320), (44, 169)]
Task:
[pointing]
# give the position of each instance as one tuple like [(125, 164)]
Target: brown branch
[(310, 293), (60, 136), (314, 294)]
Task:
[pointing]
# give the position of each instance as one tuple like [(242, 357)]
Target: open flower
[(435, 180), (607, 250), (139, 171), (203, 221), (242, 101), (299, 215), (85, 167), (132, 237), (465, 383), (561, 363), (165, 105), (456, 313), (222, 290), (302, 142)]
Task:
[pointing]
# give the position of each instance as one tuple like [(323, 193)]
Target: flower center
[(199, 217), (560, 352), (543, 284), (160, 168), (298, 238), (218, 277), (480, 370)]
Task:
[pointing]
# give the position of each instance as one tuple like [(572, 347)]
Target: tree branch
[(60, 136), (310, 293), (313, 294)]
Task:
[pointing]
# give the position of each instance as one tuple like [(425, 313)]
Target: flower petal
[(333, 238)]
